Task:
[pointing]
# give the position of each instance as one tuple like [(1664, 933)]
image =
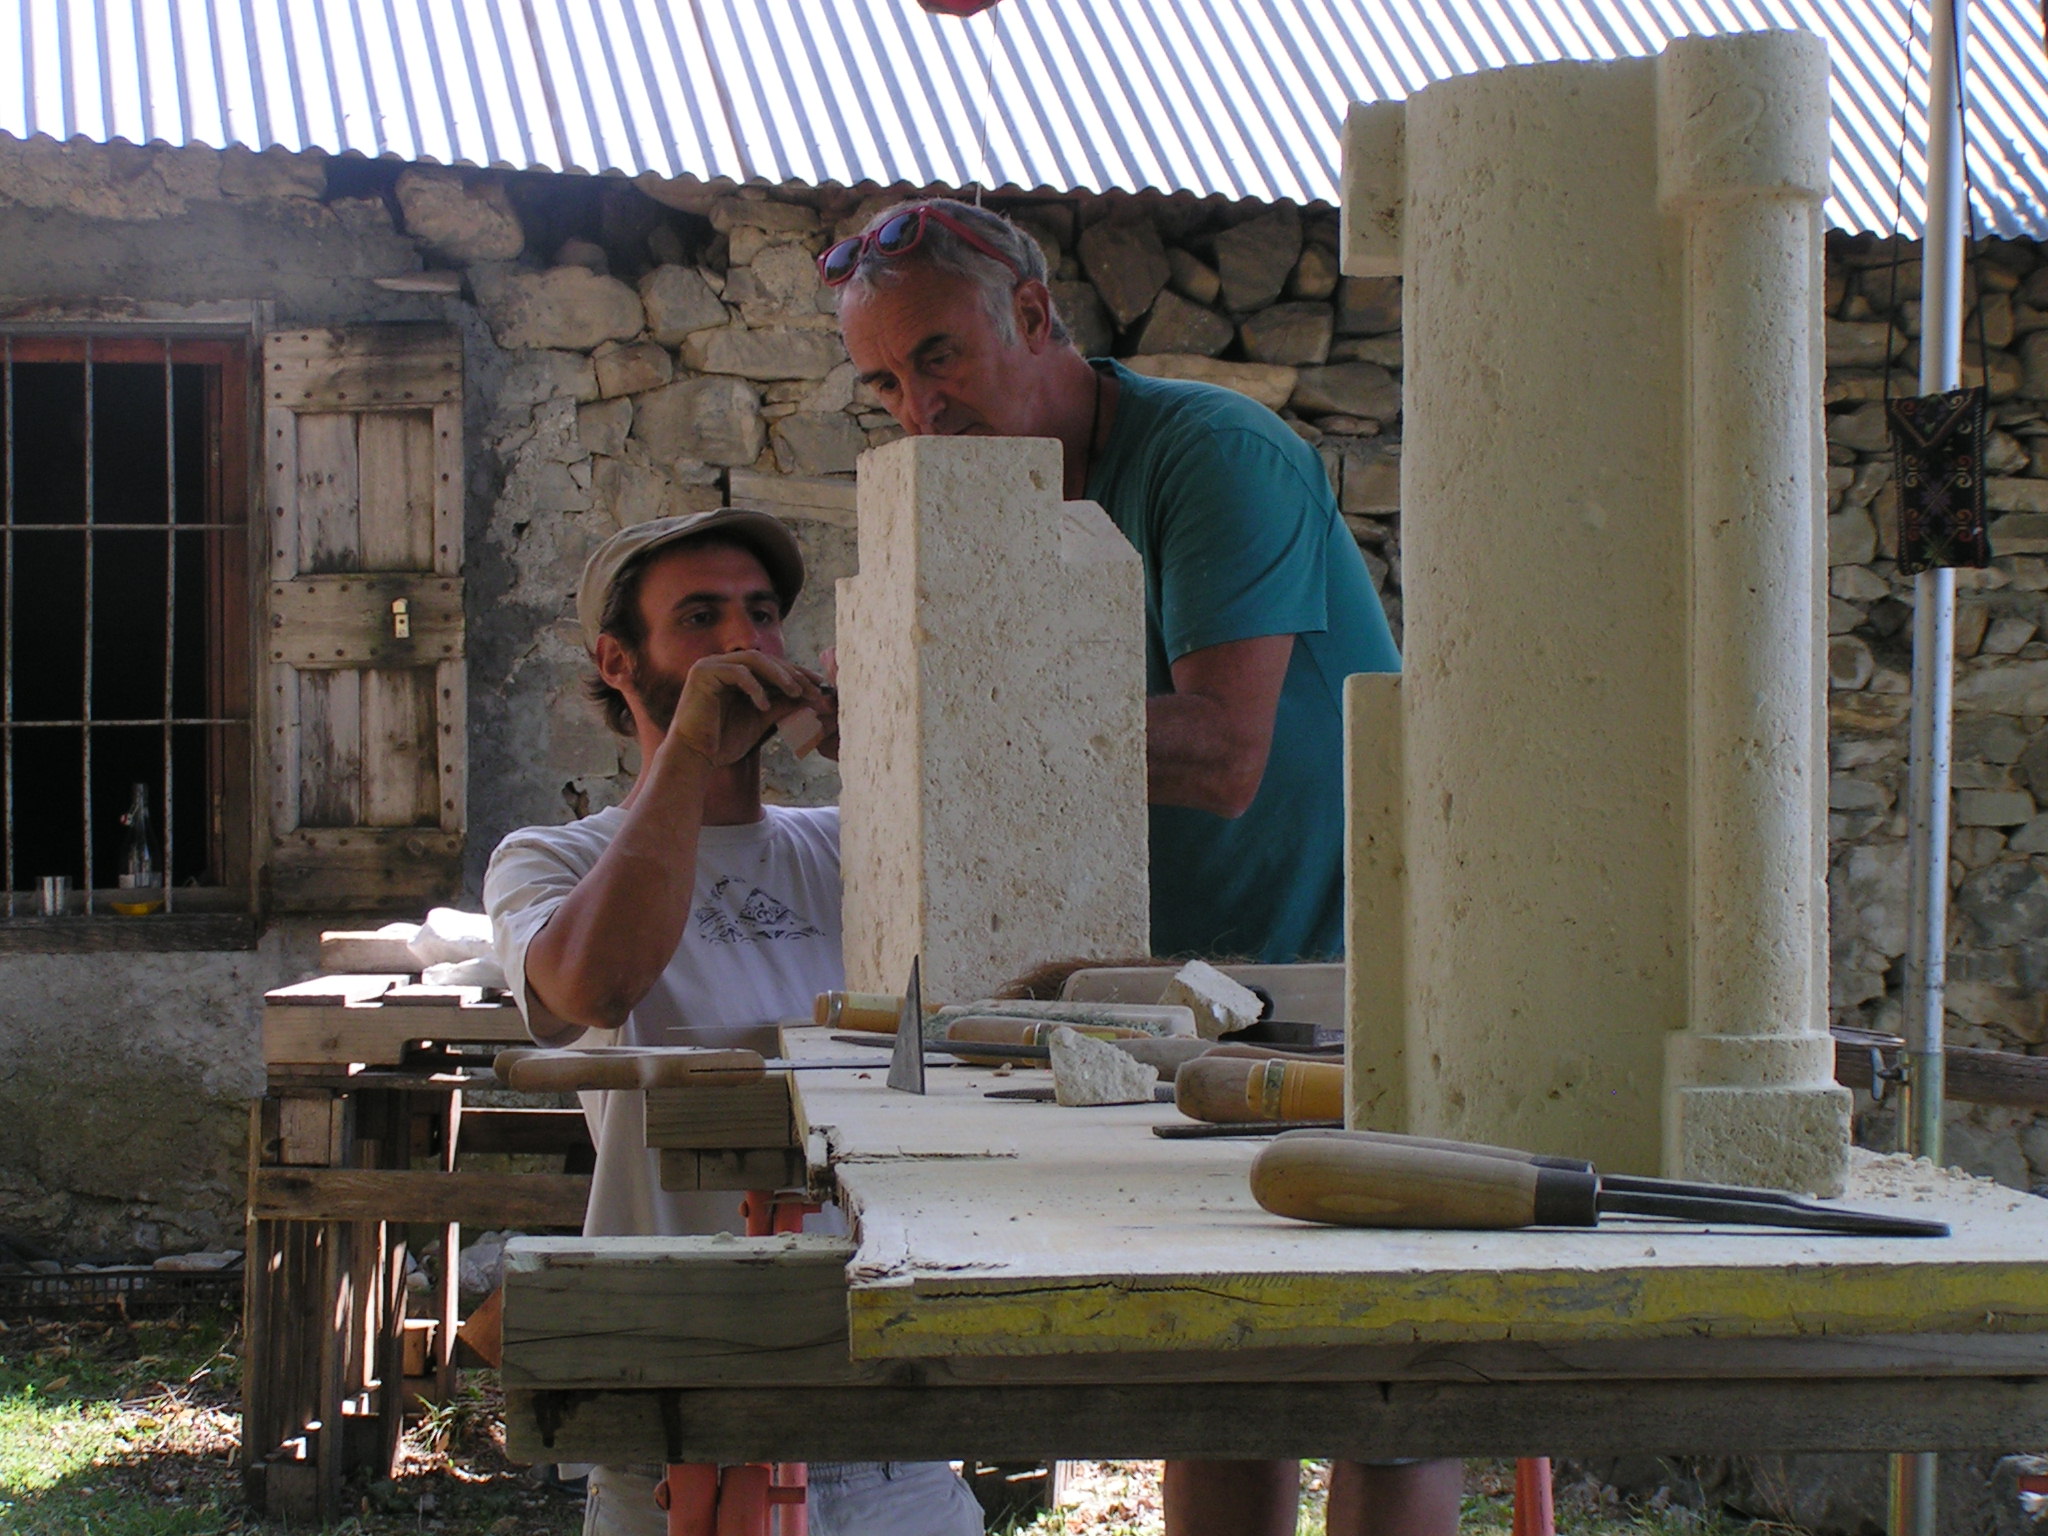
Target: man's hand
[(731, 702)]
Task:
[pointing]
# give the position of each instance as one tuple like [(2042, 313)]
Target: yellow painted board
[(1003, 1229)]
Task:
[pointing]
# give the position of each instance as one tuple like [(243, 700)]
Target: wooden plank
[(345, 621), (306, 1130), (758, 1310), (448, 487), (284, 736), (412, 996), (419, 1195), (281, 489), (497, 1128), (397, 479), (330, 749), (732, 1169), (1365, 1421), (364, 869), (451, 683), (378, 1036), (328, 493), (807, 496), (359, 367), (732, 1115), (368, 951), (326, 991), (400, 776), (1100, 1237), (1969, 1075)]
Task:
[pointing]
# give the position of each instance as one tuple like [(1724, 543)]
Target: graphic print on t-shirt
[(727, 917)]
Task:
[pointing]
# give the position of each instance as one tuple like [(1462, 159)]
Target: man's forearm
[(614, 935), (1197, 755)]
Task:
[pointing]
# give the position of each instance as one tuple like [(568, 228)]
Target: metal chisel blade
[(906, 1063)]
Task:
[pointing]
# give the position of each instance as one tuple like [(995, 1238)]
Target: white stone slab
[(993, 757)]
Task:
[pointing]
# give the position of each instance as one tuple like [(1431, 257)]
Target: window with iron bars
[(124, 644)]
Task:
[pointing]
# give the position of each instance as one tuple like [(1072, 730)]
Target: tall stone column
[(992, 668), (1743, 168), (1587, 906)]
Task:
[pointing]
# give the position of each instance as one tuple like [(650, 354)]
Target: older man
[(690, 913), (1258, 606)]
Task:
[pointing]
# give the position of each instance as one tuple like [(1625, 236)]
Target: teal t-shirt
[(1240, 537)]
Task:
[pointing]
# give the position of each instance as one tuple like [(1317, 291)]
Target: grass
[(117, 1429), (109, 1428)]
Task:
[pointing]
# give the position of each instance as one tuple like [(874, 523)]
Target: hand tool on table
[(878, 1013), (534, 1070), (1167, 1053), (1365, 1179), (1618, 1183), (906, 1061), (1161, 1094), (1240, 1083), (1000, 1029)]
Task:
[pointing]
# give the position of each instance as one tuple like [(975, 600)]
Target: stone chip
[(1089, 1071), (1220, 1005)]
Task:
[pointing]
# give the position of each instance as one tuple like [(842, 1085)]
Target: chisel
[(1613, 1183), (1364, 1180)]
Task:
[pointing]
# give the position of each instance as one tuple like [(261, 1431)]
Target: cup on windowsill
[(53, 896)]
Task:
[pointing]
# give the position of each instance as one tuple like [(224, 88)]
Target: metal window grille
[(123, 613)]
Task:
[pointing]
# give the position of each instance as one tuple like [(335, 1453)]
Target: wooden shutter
[(366, 710)]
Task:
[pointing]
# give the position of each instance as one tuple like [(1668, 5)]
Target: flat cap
[(772, 543)]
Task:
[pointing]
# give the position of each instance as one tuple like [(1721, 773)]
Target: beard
[(660, 692)]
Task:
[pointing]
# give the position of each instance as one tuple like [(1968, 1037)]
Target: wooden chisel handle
[(626, 1067), (995, 1029), (1249, 1052), (1227, 1089), (872, 1013), (1443, 1144), (1380, 1184)]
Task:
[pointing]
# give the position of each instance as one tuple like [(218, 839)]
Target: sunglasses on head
[(899, 235)]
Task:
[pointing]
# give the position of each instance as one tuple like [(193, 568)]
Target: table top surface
[(1005, 1228)]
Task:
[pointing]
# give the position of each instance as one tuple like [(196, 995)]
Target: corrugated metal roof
[(1237, 97)]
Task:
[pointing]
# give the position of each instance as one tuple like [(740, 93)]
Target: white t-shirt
[(761, 942)]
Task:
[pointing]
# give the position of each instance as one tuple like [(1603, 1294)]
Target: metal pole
[(1941, 335), (1914, 1475)]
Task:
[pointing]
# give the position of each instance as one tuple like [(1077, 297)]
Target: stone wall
[(1998, 875), (635, 349)]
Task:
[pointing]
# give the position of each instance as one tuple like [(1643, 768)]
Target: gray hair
[(943, 251)]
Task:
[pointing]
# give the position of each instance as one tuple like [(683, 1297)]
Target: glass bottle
[(141, 878)]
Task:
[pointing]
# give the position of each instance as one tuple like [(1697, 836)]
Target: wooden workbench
[(355, 1140), (1027, 1280)]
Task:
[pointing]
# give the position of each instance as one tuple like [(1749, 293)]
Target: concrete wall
[(688, 359)]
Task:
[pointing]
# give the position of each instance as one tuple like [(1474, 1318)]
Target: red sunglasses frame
[(872, 240)]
